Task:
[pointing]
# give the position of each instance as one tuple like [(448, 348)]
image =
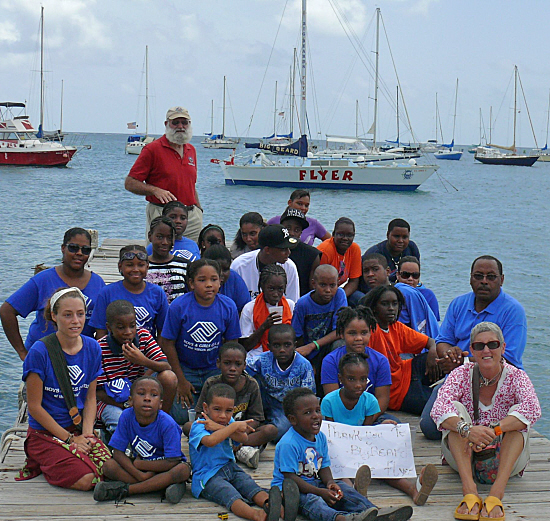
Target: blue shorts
[(229, 484)]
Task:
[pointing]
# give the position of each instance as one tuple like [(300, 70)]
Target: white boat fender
[(412, 162)]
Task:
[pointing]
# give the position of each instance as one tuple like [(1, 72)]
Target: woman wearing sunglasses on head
[(34, 294), (408, 272), (149, 300), (485, 409)]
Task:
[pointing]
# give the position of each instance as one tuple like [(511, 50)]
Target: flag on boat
[(281, 113), (132, 125)]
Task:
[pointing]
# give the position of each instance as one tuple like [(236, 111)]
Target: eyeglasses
[(480, 346), (75, 248), (131, 255), (176, 123), (491, 277), (341, 235), (407, 274)]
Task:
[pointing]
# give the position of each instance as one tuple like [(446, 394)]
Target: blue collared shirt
[(505, 311)]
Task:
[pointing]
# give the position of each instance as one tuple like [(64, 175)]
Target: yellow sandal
[(490, 503), (470, 500)]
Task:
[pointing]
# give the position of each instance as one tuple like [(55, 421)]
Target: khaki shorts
[(194, 222), (521, 462)]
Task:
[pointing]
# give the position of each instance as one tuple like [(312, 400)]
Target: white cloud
[(8, 32)]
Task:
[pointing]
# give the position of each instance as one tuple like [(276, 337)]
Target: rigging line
[(316, 118), (266, 68), (528, 113), (232, 113), (502, 102)]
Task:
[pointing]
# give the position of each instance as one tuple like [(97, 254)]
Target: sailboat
[(491, 155), (447, 151), (324, 172), (136, 142), (219, 140), (544, 152)]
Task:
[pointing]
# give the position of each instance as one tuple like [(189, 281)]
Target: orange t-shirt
[(349, 265), (399, 339)]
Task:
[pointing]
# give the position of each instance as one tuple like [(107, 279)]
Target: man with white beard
[(166, 170)]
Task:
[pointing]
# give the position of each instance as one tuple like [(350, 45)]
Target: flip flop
[(363, 479), (470, 500), (291, 499), (490, 503), (429, 479), (272, 506)]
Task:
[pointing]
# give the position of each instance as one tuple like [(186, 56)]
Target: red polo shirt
[(160, 165)]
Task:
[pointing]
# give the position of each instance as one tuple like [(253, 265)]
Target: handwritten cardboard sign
[(386, 449)]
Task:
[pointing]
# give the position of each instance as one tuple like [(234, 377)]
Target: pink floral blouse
[(514, 388)]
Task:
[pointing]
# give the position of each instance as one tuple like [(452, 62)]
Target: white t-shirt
[(246, 266), (247, 326)]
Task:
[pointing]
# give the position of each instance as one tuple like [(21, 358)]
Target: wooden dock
[(527, 498)]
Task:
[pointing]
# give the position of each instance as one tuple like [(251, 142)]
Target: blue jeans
[(419, 390), (427, 425), (386, 416), (110, 416), (274, 414), (354, 298), (315, 508), (229, 484), (196, 377)]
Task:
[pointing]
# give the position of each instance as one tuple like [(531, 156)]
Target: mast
[(454, 120), (356, 118), (292, 96), (515, 102), (223, 118), (41, 126), (275, 114), (436, 117), (212, 119), (146, 90), (61, 115), (547, 121), (397, 115), (376, 75), (490, 124), (480, 122), (303, 68)]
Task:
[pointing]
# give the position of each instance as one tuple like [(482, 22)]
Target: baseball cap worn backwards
[(177, 112), (297, 215), (276, 236)]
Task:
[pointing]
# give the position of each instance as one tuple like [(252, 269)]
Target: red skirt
[(61, 464)]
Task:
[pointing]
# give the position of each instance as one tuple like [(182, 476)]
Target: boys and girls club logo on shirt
[(87, 302), (76, 374), (142, 316), (204, 332), (143, 448)]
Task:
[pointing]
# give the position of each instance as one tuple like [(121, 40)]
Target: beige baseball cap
[(177, 112)]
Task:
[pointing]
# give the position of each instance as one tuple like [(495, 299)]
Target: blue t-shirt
[(382, 248), (199, 331), (304, 458), (183, 247), (35, 293), (379, 368), (333, 407), (158, 440), (313, 321), (431, 299), (274, 381), (84, 368), (505, 311), (151, 306), (235, 288), (206, 461), (417, 313)]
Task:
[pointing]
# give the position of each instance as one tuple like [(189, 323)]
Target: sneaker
[(111, 490), (367, 515), (395, 513), (362, 480), (250, 456), (174, 493)]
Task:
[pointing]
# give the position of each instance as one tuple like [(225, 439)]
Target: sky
[(97, 48)]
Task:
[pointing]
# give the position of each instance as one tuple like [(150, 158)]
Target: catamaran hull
[(369, 177), (507, 160), (452, 156), (46, 158)]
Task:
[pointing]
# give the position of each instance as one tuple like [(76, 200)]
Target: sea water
[(496, 210)]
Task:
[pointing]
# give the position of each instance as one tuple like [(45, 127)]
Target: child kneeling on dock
[(155, 440), (216, 476), (302, 456)]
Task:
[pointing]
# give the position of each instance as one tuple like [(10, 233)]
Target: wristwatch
[(496, 427)]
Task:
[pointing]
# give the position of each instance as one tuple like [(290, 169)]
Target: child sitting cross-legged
[(248, 402), (278, 371), (155, 440), (302, 455), (216, 476), (353, 405)]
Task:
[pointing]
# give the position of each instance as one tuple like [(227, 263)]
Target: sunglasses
[(407, 274), (480, 276), (75, 248), (131, 255), (480, 346)]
